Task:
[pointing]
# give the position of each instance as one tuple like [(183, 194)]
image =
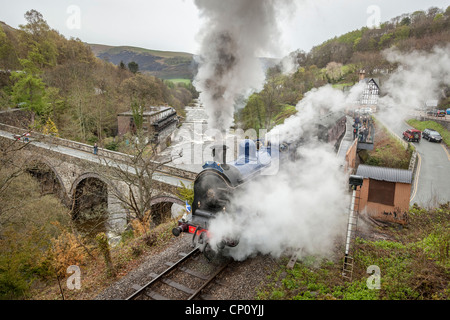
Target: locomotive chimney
[(219, 153)]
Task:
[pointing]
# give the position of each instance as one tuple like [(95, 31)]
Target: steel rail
[(208, 281), (173, 267)]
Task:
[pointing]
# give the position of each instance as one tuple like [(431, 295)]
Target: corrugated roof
[(384, 174)]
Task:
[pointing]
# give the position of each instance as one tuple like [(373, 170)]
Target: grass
[(422, 125), (185, 81), (341, 86), (388, 151), (138, 50), (286, 111), (414, 265)]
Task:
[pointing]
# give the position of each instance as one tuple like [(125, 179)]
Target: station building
[(159, 122)]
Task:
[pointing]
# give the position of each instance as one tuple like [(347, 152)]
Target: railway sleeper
[(155, 295), (151, 294), (190, 271), (195, 273), (178, 286)]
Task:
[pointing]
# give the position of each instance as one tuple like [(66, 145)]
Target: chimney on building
[(362, 74)]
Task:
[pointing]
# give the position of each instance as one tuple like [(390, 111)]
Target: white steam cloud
[(305, 206), (316, 103), (421, 76), (234, 34)]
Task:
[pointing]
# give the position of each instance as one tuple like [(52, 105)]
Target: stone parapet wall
[(88, 148)]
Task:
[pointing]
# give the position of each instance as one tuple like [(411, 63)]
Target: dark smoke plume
[(234, 34)]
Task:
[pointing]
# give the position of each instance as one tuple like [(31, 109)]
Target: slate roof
[(374, 80), (384, 174)]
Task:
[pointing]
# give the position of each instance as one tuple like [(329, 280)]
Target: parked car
[(412, 135), (440, 113), (448, 111), (431, 135), (366, 110)]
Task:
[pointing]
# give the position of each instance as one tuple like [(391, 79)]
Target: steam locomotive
[(219, 181)]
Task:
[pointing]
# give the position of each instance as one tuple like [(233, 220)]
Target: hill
[(338, 61), (62, 81), (420, 30), (161, 64)]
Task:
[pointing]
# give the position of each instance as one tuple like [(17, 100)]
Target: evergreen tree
[(29, 89), (133, 67)]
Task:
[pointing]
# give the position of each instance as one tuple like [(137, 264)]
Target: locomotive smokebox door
[(219, 153)]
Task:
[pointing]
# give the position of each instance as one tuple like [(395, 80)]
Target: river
[(194, 139)]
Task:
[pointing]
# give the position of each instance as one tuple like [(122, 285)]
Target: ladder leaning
[(347, 270)]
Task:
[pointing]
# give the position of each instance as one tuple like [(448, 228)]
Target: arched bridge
[(79, 178)]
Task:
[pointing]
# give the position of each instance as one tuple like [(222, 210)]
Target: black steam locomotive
[(216, 184)]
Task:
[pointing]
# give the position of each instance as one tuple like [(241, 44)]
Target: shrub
[(66, 251), (103, 245)]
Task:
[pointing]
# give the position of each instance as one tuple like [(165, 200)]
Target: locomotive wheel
[(205, 247), (202, 241), (209, 253)]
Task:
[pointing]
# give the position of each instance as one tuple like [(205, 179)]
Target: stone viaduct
[(66, 168)]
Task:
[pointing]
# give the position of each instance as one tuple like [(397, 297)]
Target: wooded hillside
[(420, 30), (161, 64), (338, 61), (64, 83)]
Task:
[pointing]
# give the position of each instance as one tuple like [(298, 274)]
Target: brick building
[(158, 122), (385, 193)]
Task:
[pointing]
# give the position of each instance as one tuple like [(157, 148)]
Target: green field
[(185, 81), (119, 49)]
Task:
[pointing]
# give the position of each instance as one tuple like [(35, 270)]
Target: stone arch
[(171, 199), (50, 180), (163, 207), (103, 197)]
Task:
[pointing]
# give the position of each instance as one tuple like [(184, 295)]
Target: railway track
[(183, 280)]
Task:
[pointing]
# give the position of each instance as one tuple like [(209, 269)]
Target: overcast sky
[(172, 25)]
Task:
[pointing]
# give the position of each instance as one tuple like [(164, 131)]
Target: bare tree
[(137, 173), (11, 167)]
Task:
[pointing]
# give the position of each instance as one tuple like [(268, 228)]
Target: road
[(432, 185)]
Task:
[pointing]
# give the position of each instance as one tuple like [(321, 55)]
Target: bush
[(415, 266), (26, 235), (111, 144), (66, 251), (388, 152)]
